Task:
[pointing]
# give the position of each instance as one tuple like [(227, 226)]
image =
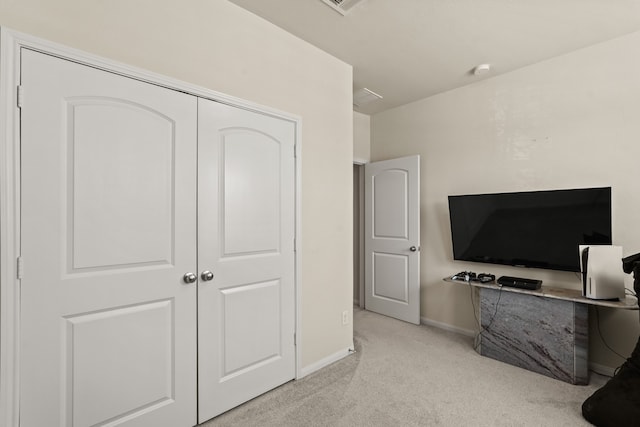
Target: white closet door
[(108, 326), (246, 239)]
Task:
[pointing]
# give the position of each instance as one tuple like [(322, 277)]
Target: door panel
[(392, 238), (104, 347), (251, 197), (390, 192), (108, 328), (252, 326), (390, 278), (103, 234), (246, 232)]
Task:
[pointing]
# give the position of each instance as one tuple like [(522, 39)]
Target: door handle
[(189, 278), (206, 275), (414, 249)]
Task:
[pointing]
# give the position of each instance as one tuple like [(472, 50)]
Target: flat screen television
[(537, 229)]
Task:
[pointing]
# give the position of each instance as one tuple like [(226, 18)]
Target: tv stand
[(544, 331)]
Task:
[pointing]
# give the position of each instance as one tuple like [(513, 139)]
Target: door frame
[(359, 224), (11, 42)]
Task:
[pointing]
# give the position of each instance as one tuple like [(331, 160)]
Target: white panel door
[(246, 208), (108, 326), (392, 238)]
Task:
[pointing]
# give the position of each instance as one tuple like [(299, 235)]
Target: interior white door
[(246, 223), (392, 238), (108, 326)]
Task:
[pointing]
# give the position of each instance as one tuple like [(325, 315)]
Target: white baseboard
[(303, 372), (447, 327), (602, 369)]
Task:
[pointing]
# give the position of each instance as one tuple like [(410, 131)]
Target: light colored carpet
[(407, 375)]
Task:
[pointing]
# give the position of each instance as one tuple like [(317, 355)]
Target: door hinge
[(295, 245), (20, 99), (20, 268), (294, 339), (295, 151)]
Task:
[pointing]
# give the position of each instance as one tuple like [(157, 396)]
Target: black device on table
[(520, 282)]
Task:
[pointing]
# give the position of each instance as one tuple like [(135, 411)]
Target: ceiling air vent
[(341, 6), (364, 96)]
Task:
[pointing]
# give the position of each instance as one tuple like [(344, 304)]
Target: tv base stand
[(545, 330), (547, 336)]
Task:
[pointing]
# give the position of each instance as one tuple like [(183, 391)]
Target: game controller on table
[(470, 276)]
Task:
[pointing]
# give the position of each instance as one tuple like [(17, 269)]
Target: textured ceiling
[(407, 50)]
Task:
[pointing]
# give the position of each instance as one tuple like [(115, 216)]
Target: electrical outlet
[(345, 317)]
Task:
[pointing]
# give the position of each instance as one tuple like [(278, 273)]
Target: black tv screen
[(538, 229)]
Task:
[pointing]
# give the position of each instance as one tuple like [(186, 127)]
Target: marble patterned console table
[(544, 331)]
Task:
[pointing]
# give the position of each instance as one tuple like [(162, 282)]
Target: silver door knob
[(206, 275), (189, 278), (413, 249)]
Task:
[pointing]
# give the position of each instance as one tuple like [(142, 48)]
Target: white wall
[(573, 121), (220, 46), (361, 137)]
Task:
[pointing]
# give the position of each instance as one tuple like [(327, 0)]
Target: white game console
[(602, 274)]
